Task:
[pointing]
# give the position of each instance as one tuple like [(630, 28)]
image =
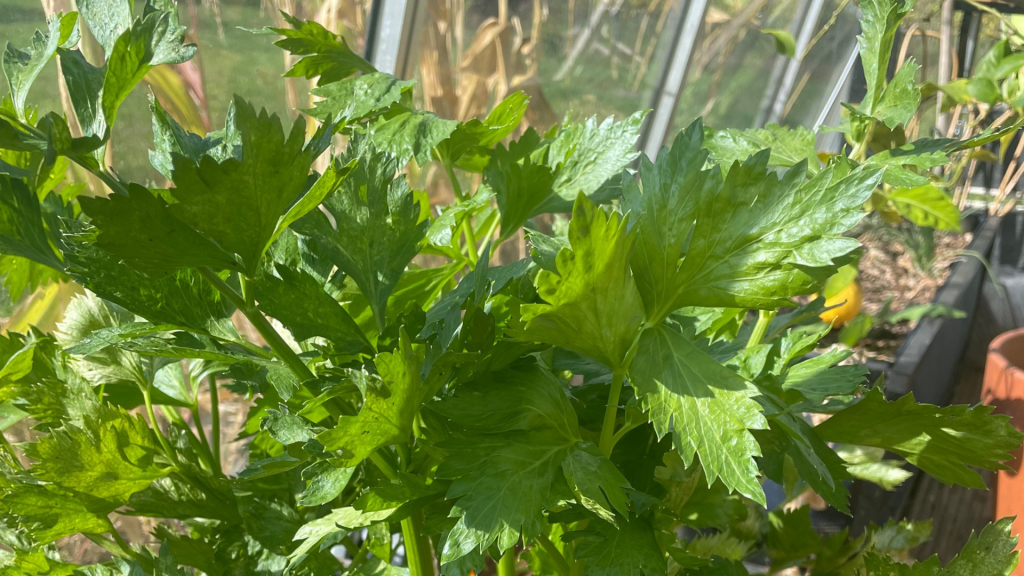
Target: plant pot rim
[(995, 350)]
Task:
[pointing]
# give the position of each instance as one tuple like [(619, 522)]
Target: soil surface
[(887, 271)]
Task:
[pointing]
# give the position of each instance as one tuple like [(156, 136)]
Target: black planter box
[(928, 362)]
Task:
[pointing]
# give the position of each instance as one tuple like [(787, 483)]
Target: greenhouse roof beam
[(667, 96), (391, 33)]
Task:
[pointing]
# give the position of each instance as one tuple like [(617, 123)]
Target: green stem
[(194, 411), (359, 556), (471, 251), (385, 468), (507, 564), (118, 547), (488, 236), (467, 225), (860, 152), (147, 398), (417, 551), (405, 455), (611, 411), (172, 415), (626, 429), (243, 284), (97, 170), (214, 425), (10, 450), (456, 187), (120, 541), (561, 566), (262, 325), (764, 319)]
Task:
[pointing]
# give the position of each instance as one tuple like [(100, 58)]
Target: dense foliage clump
[(599, 407)]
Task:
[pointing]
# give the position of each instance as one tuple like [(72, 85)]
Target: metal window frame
[(392, 32), (673, 78), (808, 27)]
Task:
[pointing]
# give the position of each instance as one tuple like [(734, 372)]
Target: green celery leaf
[(355, 99), (89, 319), (141, 229), (791, 538), (185, 345), (238, 202), (544, 250), (36, 562), (169, 35), (791, 436), (901, 97), (708, 408), (593, 306), (170, 138), (184, 298), (379, 225), (665, 201), (445, 317), (870, 464), (50, 514), (789, 146), (132, 49), (390, 404), (287, 428), (762, 239), (475, 561), (902, 536), (943, 442), (300, 303), (416, 287), (324, 53), (106, 19), (630, 550), (23, 226), (597, 483), (22, 67), (85, 88), (378, 539), (990, 553), (922, 154), (274, 465), (519, 427), (927, 206), (918, 311), (21, 274), (585, 155), (325, 482), (103, 463), (338, 520), (412, 134), (155, 39), (468, 146), (820, 376), (521, 185), (722, 545), (879, 21)]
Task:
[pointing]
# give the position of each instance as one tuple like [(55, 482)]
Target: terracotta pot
[(1004, 389)]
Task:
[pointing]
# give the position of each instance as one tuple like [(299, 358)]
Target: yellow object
[(848, 302)]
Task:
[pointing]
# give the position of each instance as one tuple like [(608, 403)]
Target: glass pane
[(587, 57), (230, 60), (733, 61), (823, 65)]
